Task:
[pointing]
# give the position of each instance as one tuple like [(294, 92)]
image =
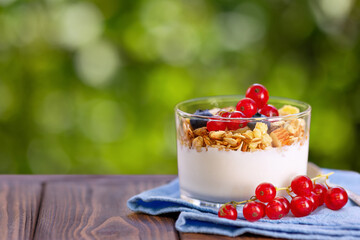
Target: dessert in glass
[(228, 145)]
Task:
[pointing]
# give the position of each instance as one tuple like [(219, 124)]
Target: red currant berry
[(285, 202), (259, 94), (275, 210), (253, 211), (216, 124), (301, 206), (265, 192), (302, 185), (236, 123), (335, 198), (263, 206), (228, 211), (320, 190), (247, 106), (315, 200), (269, 111), (224, 114)]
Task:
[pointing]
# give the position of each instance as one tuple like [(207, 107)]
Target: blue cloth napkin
[(321, 224)]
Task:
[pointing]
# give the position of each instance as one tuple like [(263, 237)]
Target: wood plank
[(19, 204), (96, 209), (43, 178)]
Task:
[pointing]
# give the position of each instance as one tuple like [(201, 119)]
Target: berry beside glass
[(306, 196)]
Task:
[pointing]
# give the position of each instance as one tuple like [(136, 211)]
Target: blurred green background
[(90, 86)]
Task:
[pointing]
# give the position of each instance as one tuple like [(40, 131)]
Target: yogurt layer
[(221, 176)]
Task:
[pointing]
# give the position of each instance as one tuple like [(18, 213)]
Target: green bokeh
[(90, 86)]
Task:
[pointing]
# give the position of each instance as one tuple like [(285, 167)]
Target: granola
[(264, 136)]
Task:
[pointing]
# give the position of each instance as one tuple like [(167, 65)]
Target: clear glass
[(221, 166)]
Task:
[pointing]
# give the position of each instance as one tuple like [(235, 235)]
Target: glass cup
[(227, 165)]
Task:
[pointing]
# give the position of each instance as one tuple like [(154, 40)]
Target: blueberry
[(200, 122), (257, 115), (251, 125)]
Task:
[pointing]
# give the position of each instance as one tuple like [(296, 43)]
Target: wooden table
[(83, 207)]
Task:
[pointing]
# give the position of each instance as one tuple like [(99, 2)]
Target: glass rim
[(276, 118)]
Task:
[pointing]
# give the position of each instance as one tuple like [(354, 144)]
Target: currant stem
[(234, 203), (253, 198), (322, 175), (289, 192)]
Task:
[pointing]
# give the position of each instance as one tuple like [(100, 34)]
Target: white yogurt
[(222, 176)]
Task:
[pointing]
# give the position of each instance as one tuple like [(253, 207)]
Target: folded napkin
[(323, 223)]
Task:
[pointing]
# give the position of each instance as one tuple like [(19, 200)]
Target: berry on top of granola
[(259, 94), (197, 122), (269, 111)]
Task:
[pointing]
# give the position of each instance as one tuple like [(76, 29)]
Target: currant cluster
[(254, 105), (306, 196)]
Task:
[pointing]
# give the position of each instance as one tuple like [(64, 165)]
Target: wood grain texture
[(19, 203), (96, 209), (83, 207)]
